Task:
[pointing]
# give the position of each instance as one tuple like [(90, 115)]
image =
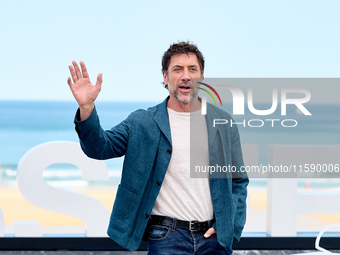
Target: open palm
[(82, 89)]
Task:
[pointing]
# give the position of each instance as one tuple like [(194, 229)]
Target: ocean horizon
[(26, 124)]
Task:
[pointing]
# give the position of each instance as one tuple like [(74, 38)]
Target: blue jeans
[(165, 240)]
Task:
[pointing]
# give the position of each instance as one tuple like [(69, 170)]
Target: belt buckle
[(191, 225)]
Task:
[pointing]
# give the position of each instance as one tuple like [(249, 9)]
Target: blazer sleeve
[(99, 144)]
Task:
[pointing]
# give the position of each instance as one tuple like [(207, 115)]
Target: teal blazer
[(144, 138)]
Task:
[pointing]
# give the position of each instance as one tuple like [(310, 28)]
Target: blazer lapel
[(161, 117), (212, 131)]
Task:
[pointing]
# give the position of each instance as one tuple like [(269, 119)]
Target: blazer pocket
[(123, 209)]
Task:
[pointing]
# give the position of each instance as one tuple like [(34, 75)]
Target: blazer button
[(146, 215), (158, 183), (168, 151)]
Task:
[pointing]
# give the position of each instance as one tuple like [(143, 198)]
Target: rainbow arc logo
[(213, 90)]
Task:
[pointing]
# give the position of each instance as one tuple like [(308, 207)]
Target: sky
[(125, 41)]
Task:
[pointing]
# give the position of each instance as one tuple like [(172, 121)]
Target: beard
[(181, 97)]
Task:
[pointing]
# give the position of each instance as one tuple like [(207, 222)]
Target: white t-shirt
[(180, 196)]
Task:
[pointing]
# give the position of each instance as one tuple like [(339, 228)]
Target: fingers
[(76, 74), (83, 69), (209, 232), (76, 67), (99, 80), (73, 73), (69, 81)]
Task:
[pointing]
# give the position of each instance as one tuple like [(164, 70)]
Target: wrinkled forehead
[(184, 59)]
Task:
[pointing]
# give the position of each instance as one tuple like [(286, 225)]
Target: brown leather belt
[(193, 225)]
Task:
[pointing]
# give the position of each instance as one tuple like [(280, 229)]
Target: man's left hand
[(210, 231)]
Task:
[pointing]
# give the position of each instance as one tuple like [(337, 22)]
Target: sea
[(26, 124)]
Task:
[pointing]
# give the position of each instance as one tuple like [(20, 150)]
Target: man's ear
[(165, 78)]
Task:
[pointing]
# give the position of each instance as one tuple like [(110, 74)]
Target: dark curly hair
[(179, 48)]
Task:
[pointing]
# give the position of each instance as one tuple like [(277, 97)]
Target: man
[(156, 196)]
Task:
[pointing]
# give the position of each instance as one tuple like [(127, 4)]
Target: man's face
[(182, 71)]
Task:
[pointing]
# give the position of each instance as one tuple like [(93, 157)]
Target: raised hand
[(82, 89)]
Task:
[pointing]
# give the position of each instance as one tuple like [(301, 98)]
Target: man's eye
[(194, 69)]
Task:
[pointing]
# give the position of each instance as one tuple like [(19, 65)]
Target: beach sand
[(16, 208)]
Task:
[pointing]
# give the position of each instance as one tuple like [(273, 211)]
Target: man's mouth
[(184, 88)]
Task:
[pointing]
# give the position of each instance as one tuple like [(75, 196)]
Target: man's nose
[(185, 75)]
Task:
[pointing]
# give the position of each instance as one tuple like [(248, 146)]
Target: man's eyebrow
[(193, 66), (180, 66), (177, 66)]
